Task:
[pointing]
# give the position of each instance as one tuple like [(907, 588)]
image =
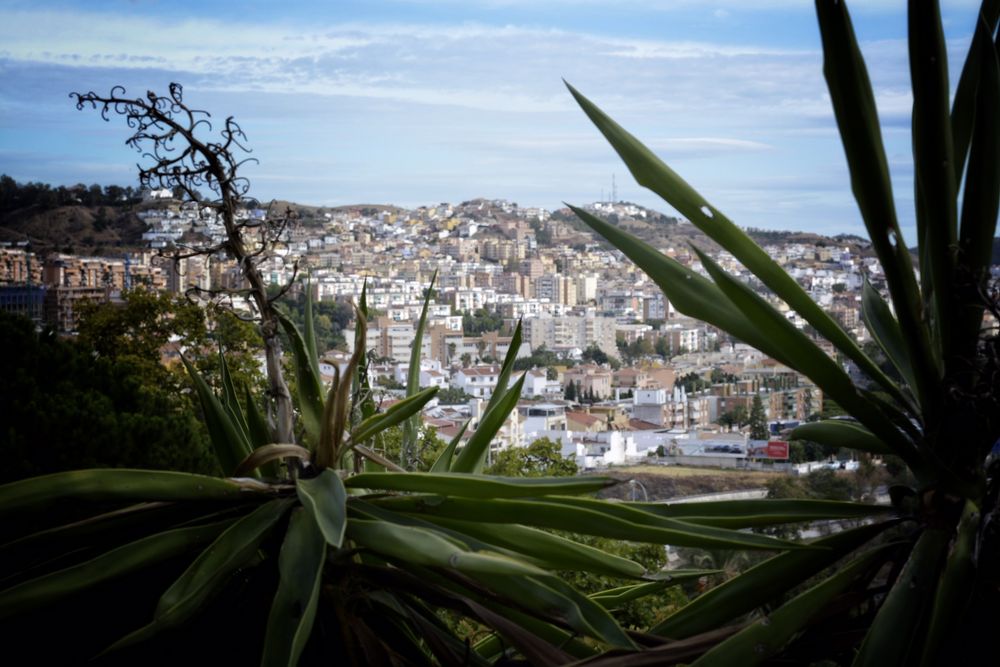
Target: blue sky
[(419, 101)]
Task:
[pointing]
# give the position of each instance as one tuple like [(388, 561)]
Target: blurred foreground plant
[(934, 596)]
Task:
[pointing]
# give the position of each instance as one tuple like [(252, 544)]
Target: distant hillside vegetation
[(80, 219)]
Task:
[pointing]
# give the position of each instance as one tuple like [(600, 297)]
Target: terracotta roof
[(642, 425), (583, 418)]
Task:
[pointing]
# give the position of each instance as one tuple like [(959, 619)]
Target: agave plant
[(330, 551), (929, 595)]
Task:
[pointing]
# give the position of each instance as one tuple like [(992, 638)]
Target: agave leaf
[(360, 386), (412, 424), (446, 647), (300, 563), (443, 462), (763, 512), (472, 457), (689, 292), (412, 544), (552, 596), (267, 455), (257, 428), (980, 199), (478, 486), (325, 501), (309, 335), (493, 646), (554, 551), (842, 433), (955, 588), (894, 634), (963, 110), (228, 440), (116, 485), (210, 571), (309, 388), (538, 651), (857, 119), (134, 556), (599, 519), (933, 157), (766, 636), (396, 413), (229, 400), (616, 597), (802, 354), (762, 583), (650, 172), (887, 335), (505, 369)]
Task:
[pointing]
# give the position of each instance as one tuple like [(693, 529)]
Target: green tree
[(67, 407), (541, 458), (452, 396), (758, 419), (570, 392)]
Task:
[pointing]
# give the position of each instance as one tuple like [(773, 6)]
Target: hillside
[(75, 229)]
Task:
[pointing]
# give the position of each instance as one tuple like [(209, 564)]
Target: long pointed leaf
[(857, 119), (933, 159), (762, 512), (650, 172), (478, 486), (132, 557), (118, 485), (887, 335), (763, 638), (473, 455), (228, 441), (893, 635), (300, 563), (840, 433), (963, 110), (210, 571), (762, 583), (310, 391), (443, 462), (412, 425), (600, 519), (325, 500), (397, 413)]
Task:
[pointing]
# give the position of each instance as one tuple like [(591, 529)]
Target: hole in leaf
[(707, 212)]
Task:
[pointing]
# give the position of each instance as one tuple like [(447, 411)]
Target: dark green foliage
[(481, 321), (541, 357), (66, 408), (452, 396), (330, 318), (758, 419)]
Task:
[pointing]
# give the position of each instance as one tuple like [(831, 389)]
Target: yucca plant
[(329, 551), (930, 594)]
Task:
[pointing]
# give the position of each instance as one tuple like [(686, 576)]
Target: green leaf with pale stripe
[(472, 457), (308, 385), (600, 519), (894, 636), (132, 557), (210, 571), (887, 335), (555, 551), (763, 583), (396, 413), (615, 597), (650, 172), (293, 610), (761, 512), (478, 486), (118, 485), (325, 500), (840, 433), (857, 119), (412, 424), (228, 441), (768, 635), (412, 544), (443, 462), (934, 176)]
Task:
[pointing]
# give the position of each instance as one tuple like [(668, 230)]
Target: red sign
[(768, 449), (777, 449)]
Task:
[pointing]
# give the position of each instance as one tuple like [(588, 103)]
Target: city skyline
[(416, 102)]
